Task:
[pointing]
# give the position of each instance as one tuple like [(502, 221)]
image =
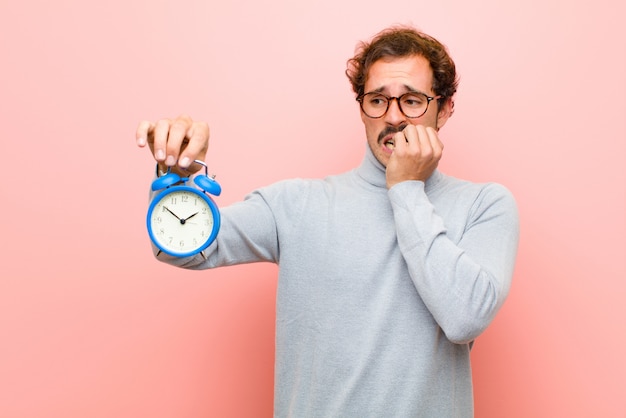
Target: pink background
[(92, 326)]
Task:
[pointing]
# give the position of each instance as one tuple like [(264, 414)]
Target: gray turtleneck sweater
[(380, 292)]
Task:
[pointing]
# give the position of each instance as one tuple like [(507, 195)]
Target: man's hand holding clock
[(182, 220)]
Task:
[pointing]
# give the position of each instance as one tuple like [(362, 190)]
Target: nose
[(394, 115)]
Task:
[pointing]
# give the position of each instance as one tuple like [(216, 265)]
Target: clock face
[(182, 221)]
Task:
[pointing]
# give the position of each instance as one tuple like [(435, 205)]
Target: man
[(387, 272)]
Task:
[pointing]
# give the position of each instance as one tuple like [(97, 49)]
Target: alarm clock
[(183, 220)]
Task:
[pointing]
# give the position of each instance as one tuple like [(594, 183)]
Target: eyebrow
[(408, 88)]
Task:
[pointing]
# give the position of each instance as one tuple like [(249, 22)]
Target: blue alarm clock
[(183, 220)]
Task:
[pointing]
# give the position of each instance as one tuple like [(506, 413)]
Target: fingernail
[(141, 141), (184, 163), (170, 160), (159, 155)]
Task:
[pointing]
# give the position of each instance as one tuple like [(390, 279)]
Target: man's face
[(394, 77)]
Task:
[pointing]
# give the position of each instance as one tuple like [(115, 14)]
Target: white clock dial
[(181, 221)]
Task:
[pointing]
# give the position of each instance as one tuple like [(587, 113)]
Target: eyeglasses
[(412, 104)]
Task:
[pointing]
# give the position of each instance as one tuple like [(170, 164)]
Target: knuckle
[(204, 127), (163, 122), (179, 125)]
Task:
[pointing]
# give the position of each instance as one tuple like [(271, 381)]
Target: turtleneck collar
[(373, 172)]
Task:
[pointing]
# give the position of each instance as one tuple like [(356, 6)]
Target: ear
[(445, 111)]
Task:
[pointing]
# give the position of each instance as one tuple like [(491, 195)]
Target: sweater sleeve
[(247, 234), (463, 282)]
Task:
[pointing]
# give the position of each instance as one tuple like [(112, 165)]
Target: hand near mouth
[(416, 153)]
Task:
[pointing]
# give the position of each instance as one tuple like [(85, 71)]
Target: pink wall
[(92, 326)]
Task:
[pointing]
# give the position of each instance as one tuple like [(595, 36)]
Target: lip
[(383, 143)]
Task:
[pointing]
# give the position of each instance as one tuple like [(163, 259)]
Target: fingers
[(160, 136), (143, 130), (416, 154), (175, 142), (197, 144), (422, 142)]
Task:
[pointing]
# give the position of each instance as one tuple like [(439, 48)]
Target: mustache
[(390, 130)]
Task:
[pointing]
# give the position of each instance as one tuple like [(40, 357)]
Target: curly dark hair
[(402, 41)]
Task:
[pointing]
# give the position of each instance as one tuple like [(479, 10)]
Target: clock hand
[(167, 209), (189, 217), (182, 221)]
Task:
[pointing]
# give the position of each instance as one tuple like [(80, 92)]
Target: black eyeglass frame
[(389, 99)]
